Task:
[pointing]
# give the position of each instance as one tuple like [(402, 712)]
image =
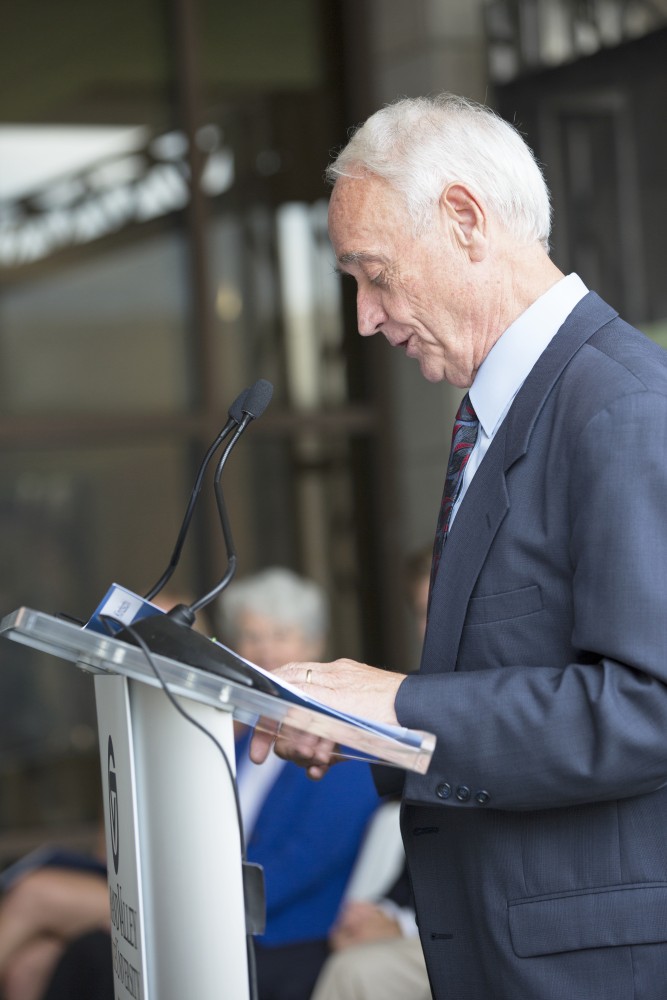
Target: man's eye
[(378, 279)]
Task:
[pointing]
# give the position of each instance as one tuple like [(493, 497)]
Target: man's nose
[(370, 314)]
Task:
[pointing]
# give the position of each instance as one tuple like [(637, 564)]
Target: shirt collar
[(512, 357)]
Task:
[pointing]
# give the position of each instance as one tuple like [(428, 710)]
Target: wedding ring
[(309, 675)]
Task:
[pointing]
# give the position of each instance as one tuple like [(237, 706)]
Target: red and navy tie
[(464, 436)]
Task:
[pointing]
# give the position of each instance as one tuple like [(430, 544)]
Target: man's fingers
[(261, 743), (317, 771), (308, 751)]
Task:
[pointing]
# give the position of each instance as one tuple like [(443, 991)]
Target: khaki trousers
[(392, 969)]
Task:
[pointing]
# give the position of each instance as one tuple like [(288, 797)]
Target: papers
[(296, 696)]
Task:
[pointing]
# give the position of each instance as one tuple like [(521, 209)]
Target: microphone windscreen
[(236, 409), (258, 398)]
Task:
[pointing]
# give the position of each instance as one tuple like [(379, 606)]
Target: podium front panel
[(173, 847)]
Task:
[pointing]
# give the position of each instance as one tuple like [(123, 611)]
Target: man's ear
[(467, 218)]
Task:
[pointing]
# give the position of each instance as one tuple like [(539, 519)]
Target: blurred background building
[(163, 244)]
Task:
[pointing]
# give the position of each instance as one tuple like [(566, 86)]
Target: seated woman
[(305, 834)]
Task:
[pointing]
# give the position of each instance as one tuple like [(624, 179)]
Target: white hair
[(420, 145), (278, 594)]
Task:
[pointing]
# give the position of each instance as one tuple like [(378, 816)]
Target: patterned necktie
[(464, 436)]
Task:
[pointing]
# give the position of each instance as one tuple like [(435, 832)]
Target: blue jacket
[(306, 837)]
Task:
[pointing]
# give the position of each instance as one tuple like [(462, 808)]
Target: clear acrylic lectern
[(172, 835)]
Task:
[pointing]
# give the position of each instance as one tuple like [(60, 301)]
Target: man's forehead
[(360, 212), (352, 195)]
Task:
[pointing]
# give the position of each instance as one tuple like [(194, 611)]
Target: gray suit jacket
[(537, 842)]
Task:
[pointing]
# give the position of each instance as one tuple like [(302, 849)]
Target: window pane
[(71, 523), (106, 334)]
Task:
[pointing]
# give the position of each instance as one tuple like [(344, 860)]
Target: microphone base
[(170, 638)]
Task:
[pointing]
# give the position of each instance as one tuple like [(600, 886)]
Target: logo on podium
[(113, 805)]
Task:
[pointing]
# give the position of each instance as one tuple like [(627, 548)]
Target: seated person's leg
[(31, 968), (53, 903), (392, 969)]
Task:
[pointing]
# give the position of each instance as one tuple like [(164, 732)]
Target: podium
[(174, 845)]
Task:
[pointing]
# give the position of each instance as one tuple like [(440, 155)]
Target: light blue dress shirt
[(510, 361)]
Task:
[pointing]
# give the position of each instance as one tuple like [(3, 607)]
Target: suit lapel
[(486, 502)]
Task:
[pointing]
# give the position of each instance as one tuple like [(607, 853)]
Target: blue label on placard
[(120, 607)]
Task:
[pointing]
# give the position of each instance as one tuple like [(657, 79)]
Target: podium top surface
[(95, 653)]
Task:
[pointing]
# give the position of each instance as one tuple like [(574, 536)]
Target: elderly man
[(536, 842)]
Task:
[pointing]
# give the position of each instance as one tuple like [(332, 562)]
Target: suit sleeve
[(532, 735)]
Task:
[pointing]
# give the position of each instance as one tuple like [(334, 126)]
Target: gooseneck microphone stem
[(256, 401), (236, 417), (224, 521), (253, 404), (176, 554)]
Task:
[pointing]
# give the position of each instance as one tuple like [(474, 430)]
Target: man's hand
[(346, 685)]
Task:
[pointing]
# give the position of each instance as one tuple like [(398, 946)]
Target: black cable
[(189, 718), (150, 659)]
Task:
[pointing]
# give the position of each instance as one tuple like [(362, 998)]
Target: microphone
[(256, 400), (236, 417), (253, 406), (170, 634)]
